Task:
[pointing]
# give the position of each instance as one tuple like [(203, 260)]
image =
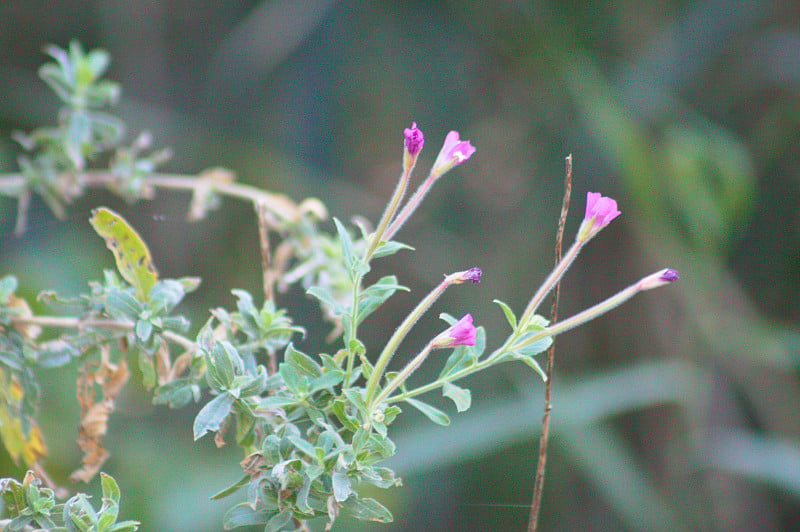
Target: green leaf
[(302, 362), (130, 252), (432, 413), (339, 410), (342, 485), (509, 314), (165, 295), (230, 490), (144, 328), (326, 298), (177, 393), (278, 521), (297, 383), (389, 248), (301, 499), (244, 515), (383, 477), (108, 129), (148, 369), (356, 399), (121, 305), (367, 510), (534, 348), (375, 295), (480, 341), (211, 416), (97, 61), (462, 357), (125, 526), (56, 353), (327, 380), (302, 445), (224, 363), (55, 79), (276, 401), (460, 396), (8, 285), (531, 362), (110, 510), (255, 385), (347, 247)]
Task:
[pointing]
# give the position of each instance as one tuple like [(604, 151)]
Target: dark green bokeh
[(676, 412)]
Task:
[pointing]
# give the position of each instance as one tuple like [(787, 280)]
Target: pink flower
[(460, 333), (454, 152), (414, 139), (600, 210)]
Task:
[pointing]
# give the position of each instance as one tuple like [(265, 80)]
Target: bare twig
[(268, 274), (538, 486)]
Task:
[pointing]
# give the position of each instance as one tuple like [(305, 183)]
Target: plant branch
[(13, 184), (538, 485), (65, 322)]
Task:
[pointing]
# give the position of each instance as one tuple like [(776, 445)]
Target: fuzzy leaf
[(347, 246), (432, 413), (303, 363), (342, 485), (460, 396), (367, 510), (531, 362), (211, 416), (509, 314), (122, 305), (375, 295), (244, 515)]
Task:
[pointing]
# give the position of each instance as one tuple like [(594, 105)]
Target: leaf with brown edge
[(130, 252), (29, 446)]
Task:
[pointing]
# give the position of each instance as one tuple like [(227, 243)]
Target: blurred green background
[(678, 411)]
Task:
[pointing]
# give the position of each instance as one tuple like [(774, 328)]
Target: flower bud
[(660, 278), (473, 274), (414, 140)]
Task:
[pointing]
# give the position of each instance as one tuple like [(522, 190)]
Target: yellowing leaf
[(130, 251), (30, 447)]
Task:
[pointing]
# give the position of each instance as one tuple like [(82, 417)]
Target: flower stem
[(551, 281), (410, 206), (399, 334), (391, 208), (401, 377)]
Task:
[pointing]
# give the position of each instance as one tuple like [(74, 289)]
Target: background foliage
[(678, 411)]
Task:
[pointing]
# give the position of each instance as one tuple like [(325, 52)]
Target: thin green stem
[(485, 363), (551, 281), (398, 336), (410, 206), (511, 344), (350, 354), (401, 377), (391, 208)]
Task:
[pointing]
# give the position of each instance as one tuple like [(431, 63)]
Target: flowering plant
[(313, 427)]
